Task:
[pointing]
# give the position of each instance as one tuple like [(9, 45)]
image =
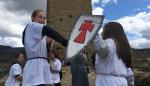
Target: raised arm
[(48, 31), (100, 46)]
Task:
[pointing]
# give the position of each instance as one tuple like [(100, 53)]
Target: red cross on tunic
[(86, 26)]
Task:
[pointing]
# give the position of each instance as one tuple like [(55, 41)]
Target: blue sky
[(134, 15), (122, 8)]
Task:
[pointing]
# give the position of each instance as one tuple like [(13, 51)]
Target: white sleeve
[(16, 70), (56, 66), (36, 30), (100, 46), (130, 77), (129, 72)]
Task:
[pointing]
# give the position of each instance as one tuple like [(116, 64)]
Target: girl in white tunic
[(15, 73), (113, 57), (36, 71), (55, 67)]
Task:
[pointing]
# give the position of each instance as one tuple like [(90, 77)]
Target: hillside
[(8, 53), (141, 63)]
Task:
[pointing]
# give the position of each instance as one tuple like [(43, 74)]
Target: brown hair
[(36, 12), (18, 54), (54, 52), (115, 31)]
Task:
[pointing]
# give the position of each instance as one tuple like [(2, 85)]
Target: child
[(55, 67), (59, 55), (36, 71), (113, 57), (15, 73)]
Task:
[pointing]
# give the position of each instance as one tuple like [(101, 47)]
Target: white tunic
[(110, 71), (14, 70), (36, 71), (55, 65)]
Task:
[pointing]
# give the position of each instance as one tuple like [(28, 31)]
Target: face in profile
[(40, 18)]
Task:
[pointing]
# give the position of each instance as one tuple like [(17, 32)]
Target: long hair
[(115, 31)]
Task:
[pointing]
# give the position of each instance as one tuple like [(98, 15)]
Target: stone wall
[(63, 13)]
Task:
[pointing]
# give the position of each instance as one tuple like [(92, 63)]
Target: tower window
[(61, 19), (70, 16)]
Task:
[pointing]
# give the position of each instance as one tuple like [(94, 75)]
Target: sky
[(134, 15)]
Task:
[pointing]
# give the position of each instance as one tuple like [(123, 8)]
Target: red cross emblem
[(86, 26)]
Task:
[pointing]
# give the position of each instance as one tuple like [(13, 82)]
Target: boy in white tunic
[(55, 67), (15, 73), (36, 71), (113, 57)]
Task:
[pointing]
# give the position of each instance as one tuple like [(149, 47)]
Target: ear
[(33, 19)]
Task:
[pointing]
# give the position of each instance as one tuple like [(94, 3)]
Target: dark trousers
[(57, 84), (41, 85), (79, 71)]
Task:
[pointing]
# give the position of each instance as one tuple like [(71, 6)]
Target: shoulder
[(110, 42), (57, 60), (111, 46), (35, 25), (16, 65), (34, 29)]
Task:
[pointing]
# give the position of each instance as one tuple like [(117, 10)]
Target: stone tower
[(63, 13)]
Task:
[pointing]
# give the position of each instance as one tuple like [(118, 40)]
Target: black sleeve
[(48, 31), (17, 75), (23, 35)]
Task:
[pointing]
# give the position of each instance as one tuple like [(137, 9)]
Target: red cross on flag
[(86, 27)]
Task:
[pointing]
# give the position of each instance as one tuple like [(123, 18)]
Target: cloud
[(12, 24), (14, 16), (137, 9), (25, 5), (103, 2), (11, 41), (148, 6), (115, 1), (95, 1), (138, 25), (140, 43), (98, 11)]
